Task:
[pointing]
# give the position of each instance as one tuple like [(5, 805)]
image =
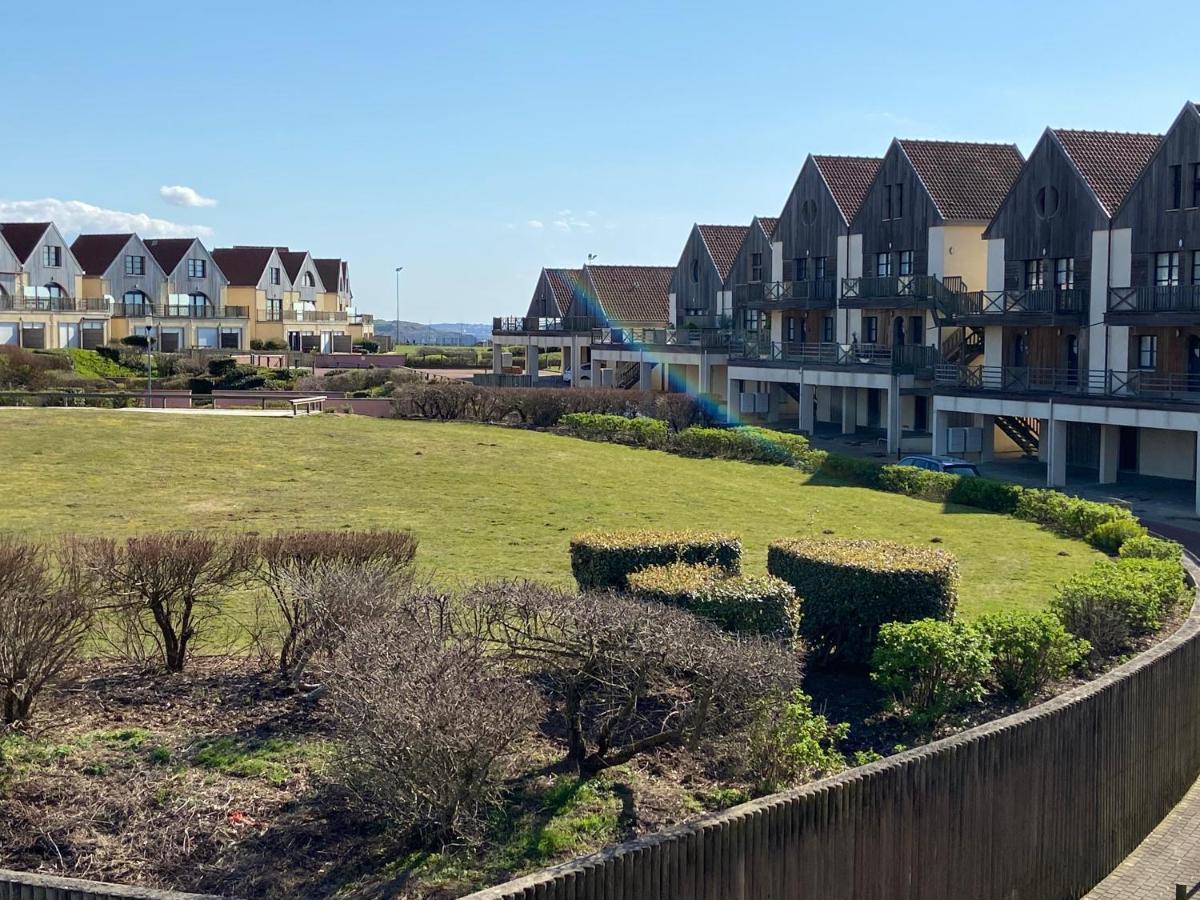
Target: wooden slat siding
[(1042, 803), (212, 285), (38, 275), (756, 242), (1154, 227), (701, 294), (151, 284), (23, 885), (911, 232), (818, 238)]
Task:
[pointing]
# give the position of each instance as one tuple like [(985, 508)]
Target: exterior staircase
[(962, 346), (1025, 433), (628, 376)]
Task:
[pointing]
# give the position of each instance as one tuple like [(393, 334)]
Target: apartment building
[(1091, 321), (42, 304)]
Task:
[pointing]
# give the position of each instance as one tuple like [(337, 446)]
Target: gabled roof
[(330, 270), (767, 224), (965, 180), (243, 265), (563, 286), (632, 294), (293, 260), (96, 252), (848, 179), (1109, 161), (22, 237), (723, 243), (169, 252)]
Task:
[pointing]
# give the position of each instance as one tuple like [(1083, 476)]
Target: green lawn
[(486, 502)]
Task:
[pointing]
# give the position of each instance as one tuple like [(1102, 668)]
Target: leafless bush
[(45, 611), (318, 579), (173, 583), (428, 719), (626, 676)]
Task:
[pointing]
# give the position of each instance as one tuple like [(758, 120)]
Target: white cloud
[(535, 223), (76, 217), (179, 195)]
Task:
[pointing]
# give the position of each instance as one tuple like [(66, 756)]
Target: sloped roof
[(563, 284), (848, 179), (632, 295), (330, 270), (292, 261), (723, 243), (965, 180), (96, 252), (1109, 161), (169, 252), (242, 265), (767, 224), (22, 237)]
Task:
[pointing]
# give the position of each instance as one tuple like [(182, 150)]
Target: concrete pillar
[(1196, 472), (940, 425), (644, 372), (774, 402), (497, 353), (704, 377), (531, 360), (849, 410), (808, 399), (987, 428), (1110, 447), (733, 400), (892, 398), (568, 362), (1056, 462)]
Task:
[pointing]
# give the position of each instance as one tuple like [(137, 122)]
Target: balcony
[(1110, 385), (365, 319), (717, 339), (913, 359), (178, 311), (1040, 306), (544, 325), (9, 303), (816, 294), (1168, 304), (899, 290), (314, 315)]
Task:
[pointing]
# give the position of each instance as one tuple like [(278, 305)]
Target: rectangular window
[(274, 310), (756, 267), (1195, 184), (827, 329), (870, 329), (197, 268), (887, 202), (801, 268), (1035, 274), (791, 329), (883, 264), (1196, 267), (819, 268), (231, 338), (1147, 351), (1176, 187), (51, 255), (135, 265), (906, 262), (752, 319), (899, 202), (275, 277), (1064, 273), (1166, 268)]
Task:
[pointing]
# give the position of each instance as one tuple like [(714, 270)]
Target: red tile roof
[(1109, 161), (632, 295), (242, 265), (96, 252), (22, 237), (723, 243), (965, 180), (169, 251), (563, 284), (767, 224), (848, 179)]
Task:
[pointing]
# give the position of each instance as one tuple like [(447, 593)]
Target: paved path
[(1169, 856)]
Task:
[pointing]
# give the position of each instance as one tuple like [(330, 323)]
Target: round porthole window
[(1047, 202), (808, 212)]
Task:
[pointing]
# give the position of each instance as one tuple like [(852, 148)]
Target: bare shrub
[(45, 611), (428, 720), (173, 583), (310, 578), (627, 676)]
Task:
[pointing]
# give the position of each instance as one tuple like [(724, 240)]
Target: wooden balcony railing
[(1177, 387), (906, 358), (9, 303), (1023, 303), (1173, 298), (786, 294), (901, 288), (314, 315), (698, 338)]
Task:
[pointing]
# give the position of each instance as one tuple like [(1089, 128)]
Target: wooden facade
[(697, 280), (115, 282), (211, 285), (895, 234), (37, 274), (810, 224), (543, 305), (756, 246)]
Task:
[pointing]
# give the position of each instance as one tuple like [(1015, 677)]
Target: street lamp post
[(398, 271), (149, 360)]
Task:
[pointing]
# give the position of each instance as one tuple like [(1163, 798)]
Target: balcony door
[(898, 331), (1193, 362), (1071, 358)]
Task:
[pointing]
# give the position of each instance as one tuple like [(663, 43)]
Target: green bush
[(1146, 547), (366, 345), (605, 559), (852, 469), (638, 431), (788, 743), (1109, 537), (1066, 515), (746, 604), (986, 493), (1117, 600), (930, 667), (920, 483), (748, 444), (1029, 650), (851, 588)]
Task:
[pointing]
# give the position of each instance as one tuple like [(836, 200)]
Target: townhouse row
[(105, 287), (948, 297)]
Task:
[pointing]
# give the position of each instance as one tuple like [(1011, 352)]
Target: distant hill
[(447, 334)]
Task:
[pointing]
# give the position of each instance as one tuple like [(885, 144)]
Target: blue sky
[(473, 143)]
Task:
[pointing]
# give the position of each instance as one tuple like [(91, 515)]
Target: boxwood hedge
[(604, 559), (850, 588), (638, 431), (746, 604)]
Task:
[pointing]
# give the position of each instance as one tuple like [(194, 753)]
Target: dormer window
[(135, 265), (309, 280), (52, 255)]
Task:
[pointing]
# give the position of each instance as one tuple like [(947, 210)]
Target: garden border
[(22, 885)]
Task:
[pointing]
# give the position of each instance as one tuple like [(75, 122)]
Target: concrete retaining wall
[(1041, 804)]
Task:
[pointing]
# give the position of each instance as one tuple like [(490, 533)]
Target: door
[(1071, 358), (1018, 351), (68, 334), (898, 331), (916, 329), (920, 413), (873, 408), (1127, 450)]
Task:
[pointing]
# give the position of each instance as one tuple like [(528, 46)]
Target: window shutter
[(1014, 274), (1139, 271), (1083, 273)]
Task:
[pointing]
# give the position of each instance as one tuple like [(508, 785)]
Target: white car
[(585, 374)]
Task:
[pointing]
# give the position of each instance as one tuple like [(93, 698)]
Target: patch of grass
[(90, 364), (485, 502), (274, 760)]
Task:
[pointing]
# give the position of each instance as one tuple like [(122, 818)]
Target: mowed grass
[(486, 502)]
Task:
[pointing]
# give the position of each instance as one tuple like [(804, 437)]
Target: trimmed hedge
[(920, 483), (745, 604), (1147, 547), (604, 559), (638, 431), (1066, 515), (748, 444), (852, 469), (986, 493), (851, 588)]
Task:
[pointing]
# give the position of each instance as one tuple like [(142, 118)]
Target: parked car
[(949, 464), (585, 374)]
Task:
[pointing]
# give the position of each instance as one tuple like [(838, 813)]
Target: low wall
[(28, 885), (1041, 804), (358, 361)]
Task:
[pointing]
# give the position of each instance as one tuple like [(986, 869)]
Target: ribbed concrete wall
[(1037, 806)]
